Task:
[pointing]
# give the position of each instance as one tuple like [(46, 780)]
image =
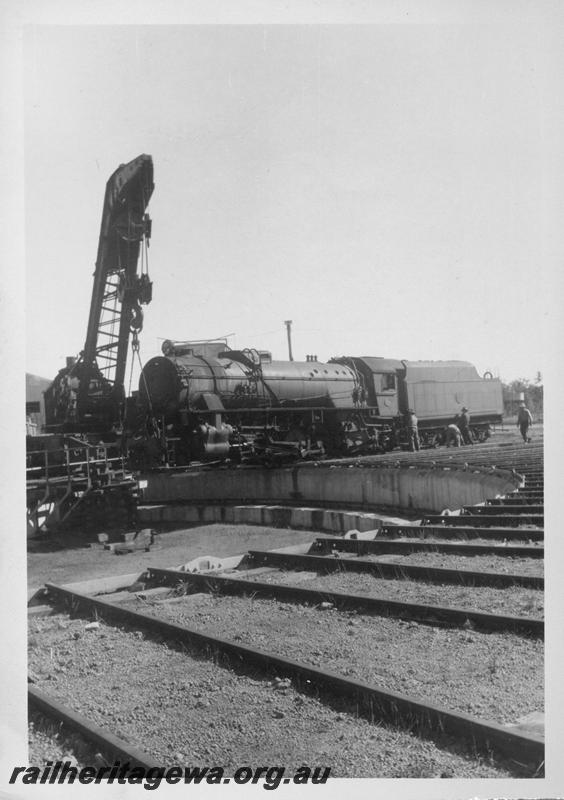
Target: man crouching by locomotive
[(452, 436)]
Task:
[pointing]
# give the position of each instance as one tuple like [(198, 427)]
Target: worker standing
[(463, 423), (411, 423), (524, 421)]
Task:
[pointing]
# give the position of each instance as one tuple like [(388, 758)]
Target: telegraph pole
[(288, 324)]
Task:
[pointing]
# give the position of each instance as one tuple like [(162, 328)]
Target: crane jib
[(118, 290), (87, 395)]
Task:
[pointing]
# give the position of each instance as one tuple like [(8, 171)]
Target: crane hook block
[(148, 225)]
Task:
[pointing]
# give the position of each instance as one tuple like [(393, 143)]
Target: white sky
[(383, 186), (394, 188)]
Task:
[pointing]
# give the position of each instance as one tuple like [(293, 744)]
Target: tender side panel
[(438, 391)]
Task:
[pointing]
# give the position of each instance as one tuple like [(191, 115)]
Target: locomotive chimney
[(288, 324)]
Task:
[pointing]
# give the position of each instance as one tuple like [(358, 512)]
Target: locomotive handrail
[(60, 459), (80, 463)]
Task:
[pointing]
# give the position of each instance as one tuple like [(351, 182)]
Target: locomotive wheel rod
[(390, 569), (372, 701), (422, 612)]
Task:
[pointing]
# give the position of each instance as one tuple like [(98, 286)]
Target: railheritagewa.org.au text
[(61, 772)]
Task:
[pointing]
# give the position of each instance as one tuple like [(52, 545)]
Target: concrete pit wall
[(300, 518), (407, 490)]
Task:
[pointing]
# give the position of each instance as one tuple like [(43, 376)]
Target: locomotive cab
[(379, 377)]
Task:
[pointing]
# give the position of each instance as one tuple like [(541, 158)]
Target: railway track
[(370, 700), (105, 739), (303, 579)]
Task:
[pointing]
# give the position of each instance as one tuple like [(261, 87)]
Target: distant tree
[(524, 389)]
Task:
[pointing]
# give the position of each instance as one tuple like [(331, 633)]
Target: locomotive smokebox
[(159, 386)]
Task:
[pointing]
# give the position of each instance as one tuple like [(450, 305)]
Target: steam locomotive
[(205, 401)]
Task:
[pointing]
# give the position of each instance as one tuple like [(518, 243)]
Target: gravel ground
[(497, 677), (514, 565), (79, 562), (186, 710), (183, 709), (48, 741), (515, 600)]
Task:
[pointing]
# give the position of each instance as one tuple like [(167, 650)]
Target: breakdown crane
[(87, 396), (76, 474)]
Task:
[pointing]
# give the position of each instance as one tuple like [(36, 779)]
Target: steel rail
[(513, 509), (372, 701), (382, 606), (520, 499), (402, 546), (391, 569), (106, 740), (479, 520), (462, 531)]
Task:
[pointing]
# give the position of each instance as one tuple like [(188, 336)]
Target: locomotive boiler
[(207, 401)]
